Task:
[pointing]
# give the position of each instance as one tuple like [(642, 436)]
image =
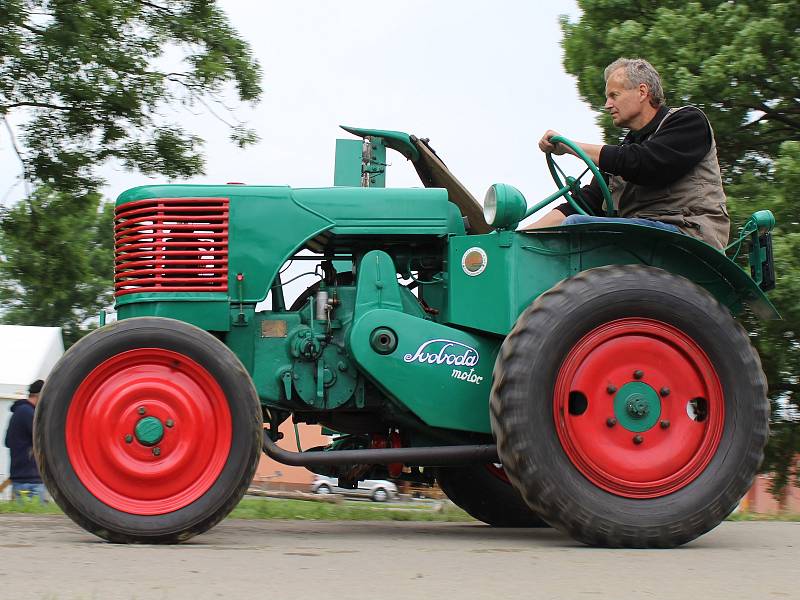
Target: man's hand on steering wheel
[(546, 146)]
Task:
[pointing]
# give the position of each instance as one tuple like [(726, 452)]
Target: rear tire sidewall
[(130, 334), (559, 491)]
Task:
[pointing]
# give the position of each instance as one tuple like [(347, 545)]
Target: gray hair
[(638, 71)]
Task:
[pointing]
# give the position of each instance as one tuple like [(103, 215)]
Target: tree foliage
[(740, 63), (93, 81), (57, 263)]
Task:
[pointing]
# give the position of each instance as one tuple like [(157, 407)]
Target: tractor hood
[(432, 172)]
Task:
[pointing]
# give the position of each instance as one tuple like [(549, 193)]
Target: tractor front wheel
[(630, 408), (148, 431)]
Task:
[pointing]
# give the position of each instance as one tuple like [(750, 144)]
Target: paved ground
[(47, 557)]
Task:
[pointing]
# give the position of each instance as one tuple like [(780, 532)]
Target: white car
[(377, 490)]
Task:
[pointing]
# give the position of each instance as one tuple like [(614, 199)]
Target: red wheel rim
[(597, 438), (101, 435)]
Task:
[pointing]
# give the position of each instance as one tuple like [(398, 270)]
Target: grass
[(270, 508), (33, 507), (346, 511), (759, 517)]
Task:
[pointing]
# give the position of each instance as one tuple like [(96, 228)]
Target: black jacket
[(652, 160), (19, 439)]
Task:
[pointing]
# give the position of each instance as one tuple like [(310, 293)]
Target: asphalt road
[(47, 557)]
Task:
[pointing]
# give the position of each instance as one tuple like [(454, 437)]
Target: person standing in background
[(25, 477)]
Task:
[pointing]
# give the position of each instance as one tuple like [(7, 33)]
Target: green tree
[(57, 262), (739, 62), (83, 83), (93, 79)]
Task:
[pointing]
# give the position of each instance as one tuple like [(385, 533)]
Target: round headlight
[(490, 206), (504, 206)]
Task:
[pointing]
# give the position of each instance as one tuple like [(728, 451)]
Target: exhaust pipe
[(424, 456)]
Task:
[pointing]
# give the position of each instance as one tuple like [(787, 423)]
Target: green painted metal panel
[(382, 211), (206, 313), (347, 167), (443, 375), (522, 265), (491, 299)]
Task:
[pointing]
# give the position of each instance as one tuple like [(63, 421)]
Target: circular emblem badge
[(474, 261)]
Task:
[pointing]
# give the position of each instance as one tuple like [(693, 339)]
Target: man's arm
[(682, 142)]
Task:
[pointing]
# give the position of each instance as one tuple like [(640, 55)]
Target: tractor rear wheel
[(630, 408), (484, 492), (148, 431)]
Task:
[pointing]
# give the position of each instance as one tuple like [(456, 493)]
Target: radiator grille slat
[(171, 245)]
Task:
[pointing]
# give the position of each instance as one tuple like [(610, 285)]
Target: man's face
[(623, 104)]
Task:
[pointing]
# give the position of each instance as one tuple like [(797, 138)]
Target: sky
[(483, 80)]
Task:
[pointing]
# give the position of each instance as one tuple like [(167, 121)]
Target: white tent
[(26, 354)]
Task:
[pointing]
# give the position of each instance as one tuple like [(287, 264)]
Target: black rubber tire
[(324, 490), (523, 422), (486, 497), (50, 440)]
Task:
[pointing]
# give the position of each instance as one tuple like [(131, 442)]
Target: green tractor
[(588, 377)]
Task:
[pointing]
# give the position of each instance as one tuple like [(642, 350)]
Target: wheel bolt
[(611, 421), (637, 439), (611, 389), (156, 451), (128, 438), (664, 424), (664, 391), (141, 410), (169, 423), (638, 374)]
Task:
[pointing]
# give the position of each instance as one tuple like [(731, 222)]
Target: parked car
[(377, 490)]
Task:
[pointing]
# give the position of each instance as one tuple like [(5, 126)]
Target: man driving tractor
[(665, 172)]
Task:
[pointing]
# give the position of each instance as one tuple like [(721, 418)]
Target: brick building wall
[(277, 476)]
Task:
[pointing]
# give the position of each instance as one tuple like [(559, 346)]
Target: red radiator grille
[(171, 245)]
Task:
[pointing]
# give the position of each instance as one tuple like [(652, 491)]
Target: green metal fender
[(520, 266)]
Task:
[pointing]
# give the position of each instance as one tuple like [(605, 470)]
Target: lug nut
[(638, 374), (664, 424), (637, 439), (611, 421), (128, 438), (664, 391), (156, 451), (141, 410), (169, 423), (611, 389)]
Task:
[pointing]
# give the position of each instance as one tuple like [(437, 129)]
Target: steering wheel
[(569, 187)]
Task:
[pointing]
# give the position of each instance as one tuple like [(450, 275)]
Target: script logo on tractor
[(461, 355), (449, 353)]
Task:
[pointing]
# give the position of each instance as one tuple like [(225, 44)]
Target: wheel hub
[(149, 431), (637, 406)]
